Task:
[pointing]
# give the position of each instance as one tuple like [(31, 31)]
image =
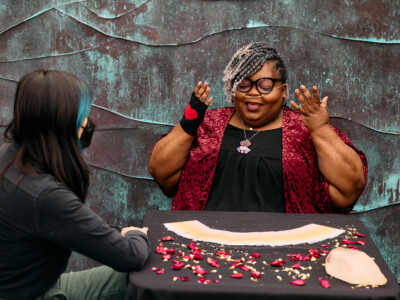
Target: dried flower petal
[(177, 265), (167, 238), (175, 278), (192, 246), (160, 249), (199, 270), (245, 268), (359, 234), (256, 274), (325, 251), (167, 257), (325, 246), (256, 255), (298, 282), (296, 266), (213, 262), (237, 275), (347, 242), (169, 251), (160, 271), (277, 263), (360, 242), (155, 269), (215, 280), (325, 284), (185, 278)]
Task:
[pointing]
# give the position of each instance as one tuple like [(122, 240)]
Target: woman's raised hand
[(313, 112), (202, 91)]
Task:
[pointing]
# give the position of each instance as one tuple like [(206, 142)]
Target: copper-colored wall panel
[(142, 59)]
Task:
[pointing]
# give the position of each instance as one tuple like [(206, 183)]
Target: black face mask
[(87, 134)]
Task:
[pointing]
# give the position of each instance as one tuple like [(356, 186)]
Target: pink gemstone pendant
[(243, 149), (245, 143)]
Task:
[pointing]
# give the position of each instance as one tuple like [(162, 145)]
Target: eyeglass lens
[(263, 85)]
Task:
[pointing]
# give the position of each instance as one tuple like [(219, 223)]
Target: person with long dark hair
[(44, 181)]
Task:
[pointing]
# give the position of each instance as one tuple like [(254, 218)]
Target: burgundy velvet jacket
[(305, 188)]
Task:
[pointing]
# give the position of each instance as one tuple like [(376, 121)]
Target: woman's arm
[(169, 155), (338, 162)]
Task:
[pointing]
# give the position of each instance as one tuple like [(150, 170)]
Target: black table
[(274, 282)]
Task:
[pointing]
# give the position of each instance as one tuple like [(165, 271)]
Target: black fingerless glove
[(194, 115)]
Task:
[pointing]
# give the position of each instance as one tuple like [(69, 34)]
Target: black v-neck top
[(252, 181)]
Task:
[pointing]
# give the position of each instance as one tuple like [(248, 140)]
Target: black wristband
[(193, 116)]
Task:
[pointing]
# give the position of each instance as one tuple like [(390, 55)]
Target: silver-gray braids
[(247, 61)]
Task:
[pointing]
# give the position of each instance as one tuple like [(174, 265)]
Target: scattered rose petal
[(177, 265), (185, 278), (215, 280), (169, 251), (256, 255), (198, 257), (256, 274), (167, 238), (353, 247), (199, 270), (347, 242), (325, 246), (167, 257), (192, 246), (245, 268), (237, 275), (175, 278), (325, 251), (160, 249), (180, 253), (155, 269), (213, 262), (325, 284), (296, 266), (277, 263), (359, 234), (360, 242), (298, 282), (160, 271)]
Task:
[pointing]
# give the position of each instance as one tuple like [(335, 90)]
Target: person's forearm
[(169, 157), (340, 165)]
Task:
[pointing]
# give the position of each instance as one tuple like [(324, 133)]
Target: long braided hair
[(247, 61)]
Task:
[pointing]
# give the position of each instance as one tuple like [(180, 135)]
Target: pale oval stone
[(354, 267)]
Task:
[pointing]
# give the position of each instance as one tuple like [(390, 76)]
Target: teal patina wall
[(142, 59)]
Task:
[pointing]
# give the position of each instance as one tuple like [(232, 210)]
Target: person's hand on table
[(126, 229), (313, 112)]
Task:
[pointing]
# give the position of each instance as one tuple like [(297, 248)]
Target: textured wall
[(142, 59)]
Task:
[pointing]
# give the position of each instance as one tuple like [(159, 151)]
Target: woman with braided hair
[(259, 154)]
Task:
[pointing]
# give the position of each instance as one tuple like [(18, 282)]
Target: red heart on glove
[(190, 113)]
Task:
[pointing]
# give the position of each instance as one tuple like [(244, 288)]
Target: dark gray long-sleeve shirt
[(41, 222)]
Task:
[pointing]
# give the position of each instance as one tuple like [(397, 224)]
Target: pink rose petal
[(160, 249), (185, 278), (277, 263), (192, 246), (360, 242), (256, 274), (155, 269), (298, 282), (325, 284), (256, 255), (237, 275), (296, 266), (200, 271), (160, 271), (167, 238), (213, 262), (347, 242), (359, 234)]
